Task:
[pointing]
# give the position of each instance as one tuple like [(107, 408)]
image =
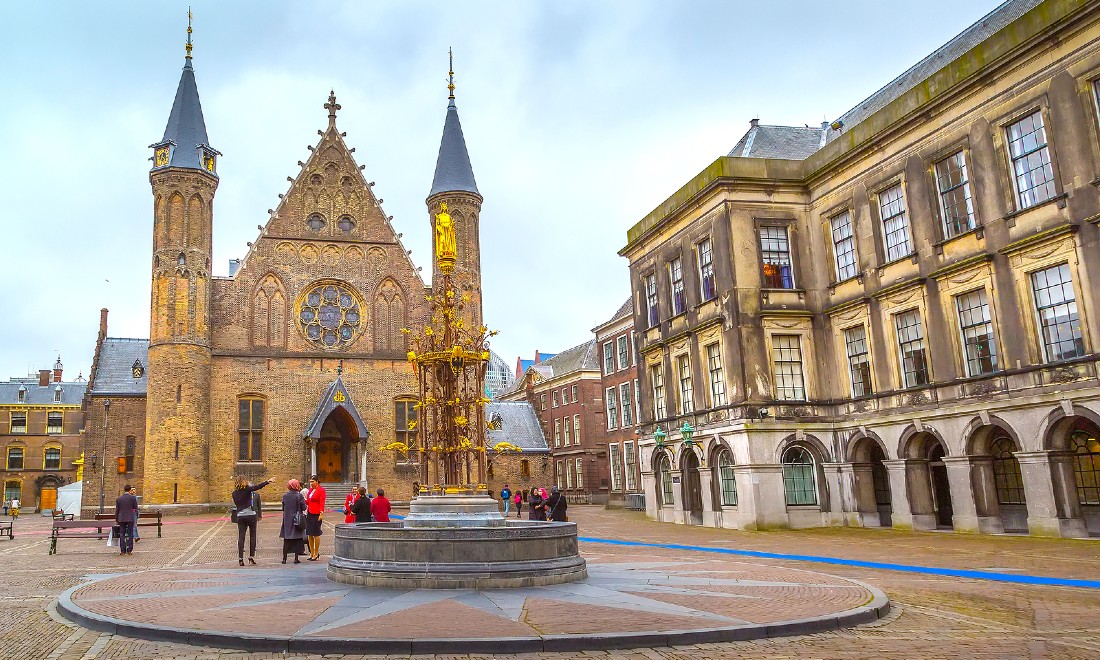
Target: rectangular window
[(977, 333), (558, 474), (131, 452), (626, 403), (554, 396), (616, 467), (657, 378), (573, 391), (954, 187), (542, 401), (250, 429), (52, 459), (608, 358), (631, 465), (844, 246), (706, 271), (568, 475), (19, 422), (564, 395), (576, 429), (637, 401), (717, 382), (525, 468), (12, 490), (54, 422), (1033, 175), (1056, 306), (624, 353), (895, 224), (676, 280), (914, 367), (651, 299), (775, 256), (15, 458), (404, 416), (633, 349), (687, 394), (565, 430), (557, 432), (612, 401), (787, 355), (580, 473), (859, 361)]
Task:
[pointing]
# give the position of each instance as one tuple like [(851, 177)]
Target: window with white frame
[(895, 223), (687, 394), (54, 422), (977, 333), (775, 257), (859, 360), (1056, 307), (573, 392), (580, 473), (623, 353), (557, 432), (790, 385), (19, 422), (676, 281), (1033, 175), (558, 469), (616, 467), (608, 358), (651, 299), (576, 429), (630, 460), (954, 187), (844, 246), (706, 271), (554, 396), (626, 403), (612, 401), (542, 401), (799, 476), (727, 478), (565, 422), (914, 366), (663, 468), (564, 395), (717, 382), (568, 475), (656, 376)]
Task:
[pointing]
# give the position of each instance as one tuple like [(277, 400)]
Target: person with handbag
[(557, 505), (349, 517), (126, 515), (247, 514), (293, 530), (538, 505), (360, 509), (315, 511)]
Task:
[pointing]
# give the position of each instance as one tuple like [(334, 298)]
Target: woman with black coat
[(361, 507), (248, 514), (557, 505), (294, 536)]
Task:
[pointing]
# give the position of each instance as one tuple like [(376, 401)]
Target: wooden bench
[(77, 529), (58, 514), (145, 519), (6, 529)]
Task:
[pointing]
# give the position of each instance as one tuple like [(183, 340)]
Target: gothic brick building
[(296, 363)]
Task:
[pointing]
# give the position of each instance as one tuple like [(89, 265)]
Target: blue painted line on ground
[(930, 570)]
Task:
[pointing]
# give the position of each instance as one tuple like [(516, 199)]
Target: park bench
[(58, 514), (6, 529), (77, 529), (145, 519)]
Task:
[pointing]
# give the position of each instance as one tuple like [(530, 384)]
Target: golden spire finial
[(332, 106), (451, 74), (189, 17)]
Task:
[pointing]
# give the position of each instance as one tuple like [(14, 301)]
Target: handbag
[(299, 520), (246, 512)]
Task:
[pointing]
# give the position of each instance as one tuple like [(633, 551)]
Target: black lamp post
[(103, 459)]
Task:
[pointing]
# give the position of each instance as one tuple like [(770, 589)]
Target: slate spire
[(185, 135), (453, 172)]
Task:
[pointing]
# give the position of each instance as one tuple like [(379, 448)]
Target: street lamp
[(103, 460), (659, 436), (686, 433)]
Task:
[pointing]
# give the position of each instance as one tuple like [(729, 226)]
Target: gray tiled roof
[(453, 171), (626, 310), (519, 426), (577, 358), (114, 374), (186, 127), (790, 142), (72, 392)]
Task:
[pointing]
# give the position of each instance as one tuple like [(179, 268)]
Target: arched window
[(664, 476), (1086, 466), (1006, 471), (727, 478), (315, 222), (798, 476)]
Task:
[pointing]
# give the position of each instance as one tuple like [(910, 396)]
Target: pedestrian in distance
[(518, 499), (14, 508), (247, 504), (557, 506), (126, 515), (380, 507), (315, 512), (538, 506), (293, 529), (5, 507), (361, 508), (349, 517), (506, 498)]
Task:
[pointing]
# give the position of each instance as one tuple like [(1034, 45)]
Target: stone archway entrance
[(872, 483), (336, 438), (941, 487), (692, 494)]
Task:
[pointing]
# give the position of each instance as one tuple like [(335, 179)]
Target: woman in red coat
[(349, 517), (315, 510)]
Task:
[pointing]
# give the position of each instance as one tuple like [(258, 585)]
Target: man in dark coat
[(126, 515), (556, 505)]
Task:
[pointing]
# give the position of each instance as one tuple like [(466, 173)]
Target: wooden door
[(48, 499), (330, 462)]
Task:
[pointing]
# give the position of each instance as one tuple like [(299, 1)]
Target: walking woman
[(315, 510), (247, 516), (293, 531)]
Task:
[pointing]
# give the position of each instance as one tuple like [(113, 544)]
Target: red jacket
[(315, 503), (380, 509), (349, 517)]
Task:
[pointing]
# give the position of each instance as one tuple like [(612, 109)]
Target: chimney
[(754, 122), (43, 377), (103, 323), (57, 367)]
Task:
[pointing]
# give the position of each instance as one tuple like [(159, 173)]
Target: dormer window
[(208, 158), (137, 369), (57, 394), (22, 393)]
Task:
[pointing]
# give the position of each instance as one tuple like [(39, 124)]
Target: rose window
[(330, 314)]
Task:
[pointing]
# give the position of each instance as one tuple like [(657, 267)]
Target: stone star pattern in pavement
[(618, 596)]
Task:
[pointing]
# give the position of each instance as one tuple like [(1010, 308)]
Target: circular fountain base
[(455, 542)]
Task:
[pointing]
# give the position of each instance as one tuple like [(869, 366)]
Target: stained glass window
[(330, 314)]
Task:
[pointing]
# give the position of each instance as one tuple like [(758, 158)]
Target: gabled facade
[(618, 359)]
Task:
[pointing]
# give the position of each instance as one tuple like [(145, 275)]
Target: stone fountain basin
[(521, 553)]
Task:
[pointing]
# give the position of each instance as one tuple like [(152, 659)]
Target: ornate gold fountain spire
[(188, 46), (451, 75)]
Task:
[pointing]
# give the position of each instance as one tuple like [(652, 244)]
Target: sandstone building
[(890, 319), (296, 363)]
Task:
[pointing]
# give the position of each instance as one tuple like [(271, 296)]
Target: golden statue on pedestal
[(445, 240)]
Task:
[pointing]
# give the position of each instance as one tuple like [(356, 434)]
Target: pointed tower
[(184, 179), (454, 186)]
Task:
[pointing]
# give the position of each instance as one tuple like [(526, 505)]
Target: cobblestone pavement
[(933, 616)]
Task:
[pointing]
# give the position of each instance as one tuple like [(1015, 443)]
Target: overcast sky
[(580, 118)]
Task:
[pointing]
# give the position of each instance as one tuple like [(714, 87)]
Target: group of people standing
[(541, 506)]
